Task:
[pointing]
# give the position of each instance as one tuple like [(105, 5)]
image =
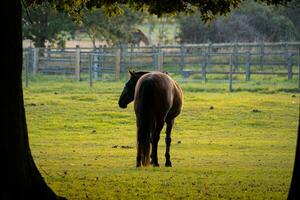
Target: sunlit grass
[(236, 145)]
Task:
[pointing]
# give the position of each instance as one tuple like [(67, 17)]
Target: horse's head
[(127, 95)]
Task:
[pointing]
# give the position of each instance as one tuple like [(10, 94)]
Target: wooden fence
[(196, 60)]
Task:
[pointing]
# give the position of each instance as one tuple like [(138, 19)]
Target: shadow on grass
[(253, 90), (290, 90)]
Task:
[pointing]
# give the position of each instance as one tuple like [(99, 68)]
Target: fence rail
[(186, 59)]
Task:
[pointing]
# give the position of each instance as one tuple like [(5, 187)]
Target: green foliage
[(61, 38), (292, 12), (268, 22), (250, 22), (47, 24), (193, 29), (94, 22), (120, 26), (113, 29), (208, 9), (114, 22), (228, 152)]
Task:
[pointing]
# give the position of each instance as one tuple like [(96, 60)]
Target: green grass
[(229, 152)]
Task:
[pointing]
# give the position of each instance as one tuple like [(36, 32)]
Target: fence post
[(286, 57), (35, 61), (160, 57), (262, 52), (131, 54), (117, 64), (30, 55), (203, 66), (162, 60), (182, 54), (248, 66), (26, 69), (154, 57), (235, 55), (77, 65), (230, 73), (209, 54), (289, 66), (96, 61), (122, 58), (48, 54), (90, 70)]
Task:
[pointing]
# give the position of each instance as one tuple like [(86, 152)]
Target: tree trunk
[(294, 188), (20, 177)]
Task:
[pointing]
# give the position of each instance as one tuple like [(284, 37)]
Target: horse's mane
[(141, 73)]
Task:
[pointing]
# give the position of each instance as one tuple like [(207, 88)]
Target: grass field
[(242, 148)]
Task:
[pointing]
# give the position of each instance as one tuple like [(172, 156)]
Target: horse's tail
[(146, 121)]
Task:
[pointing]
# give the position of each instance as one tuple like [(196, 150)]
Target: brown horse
[(157, 100)]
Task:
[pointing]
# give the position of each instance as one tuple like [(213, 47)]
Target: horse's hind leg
[(168, 142), (140, 145), (155, 139), (139, 156)]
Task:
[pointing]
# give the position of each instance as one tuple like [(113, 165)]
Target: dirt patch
[(122, 147), (256, 110)]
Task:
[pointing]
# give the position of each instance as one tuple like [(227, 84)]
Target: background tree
[(47, 25), (291, 11), (123, 25), (20, 175), (115, 29), (163, 30), (95, 24), (249, 23), (270, 24), (61, 38), (150, 20), (193, 29)]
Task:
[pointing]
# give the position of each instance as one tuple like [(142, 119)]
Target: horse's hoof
[(168, 164), (155, 165), (138, 165)]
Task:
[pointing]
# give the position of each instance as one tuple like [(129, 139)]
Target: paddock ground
[(237, 145)]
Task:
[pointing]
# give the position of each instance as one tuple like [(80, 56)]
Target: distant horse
[(157, 99), (137, 36)]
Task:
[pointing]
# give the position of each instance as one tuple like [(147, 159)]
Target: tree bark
[(294, 187), (20, 176)]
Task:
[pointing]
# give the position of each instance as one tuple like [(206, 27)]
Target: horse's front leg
[(168, 142)]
